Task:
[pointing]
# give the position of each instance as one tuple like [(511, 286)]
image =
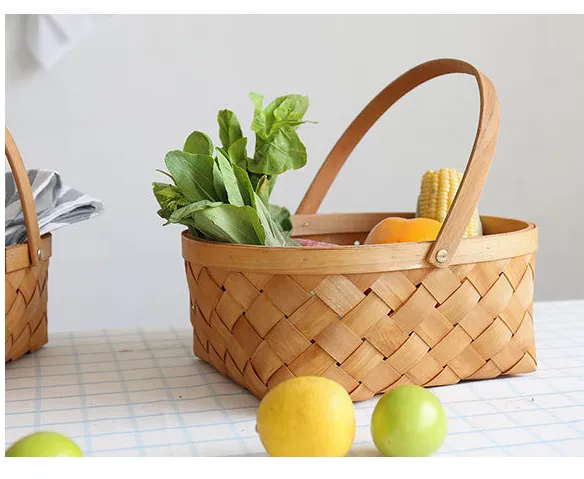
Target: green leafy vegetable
[(219, 184), (255, 179), (169, 198), (193, 174), (229, 129), (283, 111), (265, 186), (237, 152), (274, 234), (278, 147), (229, 180), (187, 212), (282, 152), (199, 143), (245, 187), (223, 195), (168, 195), (281, 216), (231, 224)]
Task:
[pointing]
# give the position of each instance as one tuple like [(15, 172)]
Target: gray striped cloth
[(57, 205)]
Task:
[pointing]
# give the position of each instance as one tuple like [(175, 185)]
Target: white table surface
[(142, 393)]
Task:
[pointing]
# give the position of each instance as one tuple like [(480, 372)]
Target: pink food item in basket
[(308, 242)]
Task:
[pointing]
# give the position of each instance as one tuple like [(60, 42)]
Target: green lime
[(44, 444), (408, 421)]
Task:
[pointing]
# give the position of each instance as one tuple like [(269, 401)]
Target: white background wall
[(106, 114)]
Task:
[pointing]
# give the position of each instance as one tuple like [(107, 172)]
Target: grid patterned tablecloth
[(142, 393)]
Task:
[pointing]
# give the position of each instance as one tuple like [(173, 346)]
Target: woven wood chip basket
[(372, 316), (26, 272)]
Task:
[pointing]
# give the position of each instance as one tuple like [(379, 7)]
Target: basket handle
[(26, 199), (444, 247)]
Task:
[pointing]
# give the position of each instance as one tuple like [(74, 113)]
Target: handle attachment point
[(441, 256)]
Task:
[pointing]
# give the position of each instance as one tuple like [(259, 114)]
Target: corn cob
[(437, 194)]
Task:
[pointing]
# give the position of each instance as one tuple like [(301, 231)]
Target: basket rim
[(347, 259)]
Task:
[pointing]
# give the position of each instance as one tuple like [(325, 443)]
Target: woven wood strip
[(26, 310), (369, 332), (26, 268)]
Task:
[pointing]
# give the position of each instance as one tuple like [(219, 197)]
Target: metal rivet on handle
[(441, 256), (40, 253)]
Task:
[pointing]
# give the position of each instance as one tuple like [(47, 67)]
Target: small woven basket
[(26, 272), (372, 317)]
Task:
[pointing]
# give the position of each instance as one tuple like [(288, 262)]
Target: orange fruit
[(403, 230)]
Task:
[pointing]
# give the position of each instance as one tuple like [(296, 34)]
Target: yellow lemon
[(307, 416)]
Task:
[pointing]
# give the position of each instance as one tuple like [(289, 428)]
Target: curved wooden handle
[(26, 199), (477, 169)]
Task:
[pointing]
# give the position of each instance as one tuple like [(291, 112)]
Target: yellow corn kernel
[(437, 194)]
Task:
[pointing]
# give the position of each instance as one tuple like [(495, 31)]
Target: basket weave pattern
[(26, 310), (26, 269), (369, 332)]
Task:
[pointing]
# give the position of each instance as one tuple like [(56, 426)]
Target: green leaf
[(278, 147), (199, 143), (281, 217), (241, 176), (288, 110), (230, 224), (229, 128), (274, 234), (237, 152), (255, 179), (265, 186), (187, 212), (282, 152), (258, 125), (244, 185), (229, 179), (223, 151), (219, 184), (290, 241), (283, 111), (164, 214), (169, 198), (199, 234), (163, 191), (193, 174), (262, 189), (271, 184)]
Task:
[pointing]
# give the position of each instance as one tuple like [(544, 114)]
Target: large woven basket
[(372, 316), (26, 272)]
